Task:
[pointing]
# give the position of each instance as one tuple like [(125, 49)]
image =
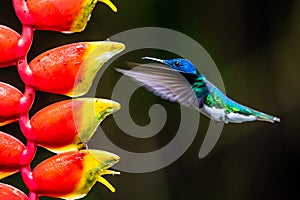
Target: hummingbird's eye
[(177, 64)]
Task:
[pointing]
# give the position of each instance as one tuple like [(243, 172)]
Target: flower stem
[(33, 196), (25, 41)]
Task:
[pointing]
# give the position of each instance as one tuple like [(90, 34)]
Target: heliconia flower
[(67, 125), (71, 175), (9, 192), (60, 15), (9, 103), (70, 69), (8, 45), (11, 150)]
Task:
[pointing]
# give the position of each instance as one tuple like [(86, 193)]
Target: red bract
[(70, 123), (8, 192), (70, 69), (9, 103), (71, 175), (8, 46), (11, 150), (59, 15)]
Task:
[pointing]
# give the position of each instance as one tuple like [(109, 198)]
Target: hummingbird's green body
[(185, 85)]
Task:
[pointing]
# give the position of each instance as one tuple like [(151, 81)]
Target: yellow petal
[(106, 183)]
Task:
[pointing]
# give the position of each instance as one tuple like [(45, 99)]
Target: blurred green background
[(256, 46)]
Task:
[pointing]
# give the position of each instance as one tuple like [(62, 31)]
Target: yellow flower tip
[(8, 121), (4, 174), (103, 50), (105, 160), (110, 4), (107, 105), (116, 106), (98, 107), (88, 113)]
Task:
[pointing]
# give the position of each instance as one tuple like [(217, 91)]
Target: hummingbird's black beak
[(154, 59)]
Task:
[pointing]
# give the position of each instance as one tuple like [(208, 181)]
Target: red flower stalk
[(63, 126)]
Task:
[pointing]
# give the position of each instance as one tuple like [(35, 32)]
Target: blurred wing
[(166, 83)]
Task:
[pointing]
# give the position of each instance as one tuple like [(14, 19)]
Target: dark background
[(255, 45)]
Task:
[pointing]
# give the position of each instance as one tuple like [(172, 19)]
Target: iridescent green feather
[(198, 85)]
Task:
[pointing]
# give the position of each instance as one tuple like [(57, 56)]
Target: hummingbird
[(179, 81)]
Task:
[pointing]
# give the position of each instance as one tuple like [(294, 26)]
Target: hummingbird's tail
[(265, 117)]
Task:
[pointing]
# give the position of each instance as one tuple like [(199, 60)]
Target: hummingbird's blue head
[(178, 64)]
